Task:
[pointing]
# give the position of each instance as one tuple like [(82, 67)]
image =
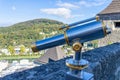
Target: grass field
[(19, 57)]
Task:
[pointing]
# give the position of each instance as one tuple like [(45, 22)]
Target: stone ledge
[(104, 64)]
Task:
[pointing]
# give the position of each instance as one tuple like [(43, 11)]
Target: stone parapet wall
[(104, 64), (110, 39)]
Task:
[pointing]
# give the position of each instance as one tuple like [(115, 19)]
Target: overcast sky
[(67, 11)]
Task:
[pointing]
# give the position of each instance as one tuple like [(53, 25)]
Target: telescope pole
[(77, 56), (77, 64)]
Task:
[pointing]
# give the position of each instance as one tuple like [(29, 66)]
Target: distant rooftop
[(55, 53), (114, 7)]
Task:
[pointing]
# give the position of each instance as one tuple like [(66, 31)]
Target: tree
[(22, 49), (95, 43), (1, 36), (3, 54), (11, 50)]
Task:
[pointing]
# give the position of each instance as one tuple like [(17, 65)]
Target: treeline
[(27, 32)]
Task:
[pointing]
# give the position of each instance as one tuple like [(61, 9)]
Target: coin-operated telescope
[(75, 35)]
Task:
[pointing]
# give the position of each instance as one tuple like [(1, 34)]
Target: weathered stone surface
[(111, 38), (104, 64), (111, 16)]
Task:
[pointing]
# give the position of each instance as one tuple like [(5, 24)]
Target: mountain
[(28, 32)]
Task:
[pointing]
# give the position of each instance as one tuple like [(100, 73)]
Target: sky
[(66, 11)]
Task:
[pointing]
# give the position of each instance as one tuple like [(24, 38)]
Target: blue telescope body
[(80, 22), (86, 30)]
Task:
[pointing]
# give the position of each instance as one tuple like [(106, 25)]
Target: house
[(17, 50), (111, 15), (5, 51)]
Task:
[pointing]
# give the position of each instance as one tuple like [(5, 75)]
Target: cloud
[(67, 5), (13, 8), (92, 3), (62, 12)]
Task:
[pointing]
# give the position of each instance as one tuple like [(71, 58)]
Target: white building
[(3, 65), (5, 51)]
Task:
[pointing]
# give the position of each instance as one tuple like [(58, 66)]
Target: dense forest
[(25, 33)]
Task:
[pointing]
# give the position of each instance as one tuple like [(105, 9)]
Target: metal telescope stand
[(77, 64)]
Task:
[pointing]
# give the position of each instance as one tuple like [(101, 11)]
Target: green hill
[(28, 32)]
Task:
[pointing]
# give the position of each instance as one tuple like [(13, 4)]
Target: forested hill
[(29, 31)]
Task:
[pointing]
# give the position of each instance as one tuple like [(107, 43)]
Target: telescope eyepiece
[(34, 48)]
